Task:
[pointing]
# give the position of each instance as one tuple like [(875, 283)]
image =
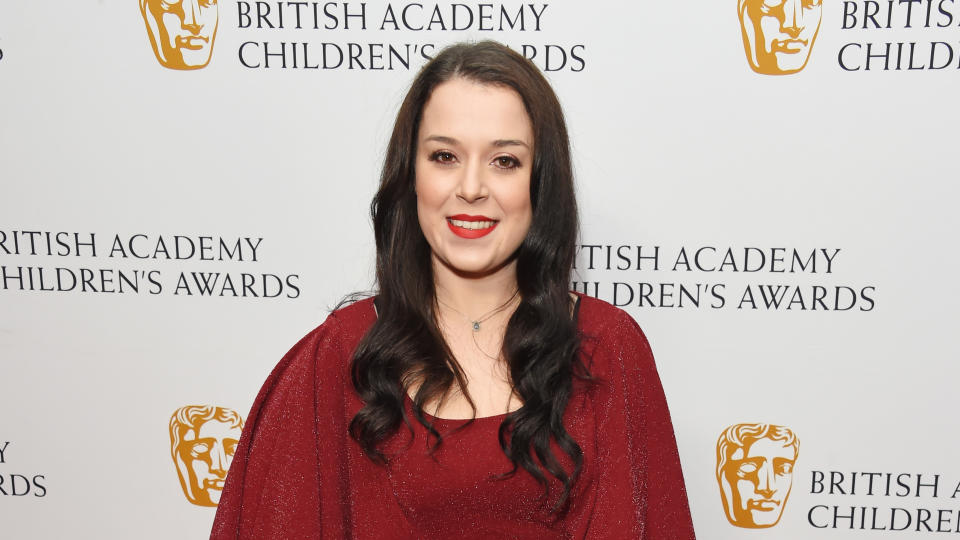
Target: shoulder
[(347, 323), (318, 365), (600, 320), (610, 336), (344, 327), (329, 346), (352, 320), (306, 400)]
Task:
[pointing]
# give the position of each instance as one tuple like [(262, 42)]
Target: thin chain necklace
[(475, 323)]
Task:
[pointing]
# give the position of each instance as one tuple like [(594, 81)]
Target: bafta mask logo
[(203, 440), (755, 473), (181, 31), (779, 34)]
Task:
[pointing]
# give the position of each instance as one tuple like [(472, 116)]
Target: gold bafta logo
[(181, 31), (779, 34), (755, 472), (203, 439)]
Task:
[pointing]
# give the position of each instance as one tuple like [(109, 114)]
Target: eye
[(199, 449), (506, 162), (230, 446), (443, 157), (167, 5), (207, 3), (785, 468), (767, 6), (811, 3), (746, 469)]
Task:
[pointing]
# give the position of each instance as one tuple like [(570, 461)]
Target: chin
[(471, 266), (473, 270)]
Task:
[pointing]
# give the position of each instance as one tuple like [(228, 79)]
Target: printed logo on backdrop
[(15, 483), (716, 277), (146, 264), (755, 473), (353, 36), (927, 33), (203, 440), (778, 35), (181, 32)]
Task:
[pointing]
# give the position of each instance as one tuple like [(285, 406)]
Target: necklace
[(475, 323)]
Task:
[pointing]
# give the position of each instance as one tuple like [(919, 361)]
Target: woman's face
[(474, 155)]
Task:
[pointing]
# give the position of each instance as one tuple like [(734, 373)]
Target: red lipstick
[(460, 229)]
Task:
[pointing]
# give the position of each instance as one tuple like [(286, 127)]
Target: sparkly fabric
[(298, 474)]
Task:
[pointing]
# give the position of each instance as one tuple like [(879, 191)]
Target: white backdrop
[(679, 145)]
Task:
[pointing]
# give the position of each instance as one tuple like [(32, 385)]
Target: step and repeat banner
[(767, 186)]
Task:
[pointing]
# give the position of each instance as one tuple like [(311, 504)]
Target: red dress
[(298, 474)]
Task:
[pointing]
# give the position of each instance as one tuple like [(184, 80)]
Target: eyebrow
[(499, 143)]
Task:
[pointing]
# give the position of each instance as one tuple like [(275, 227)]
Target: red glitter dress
[(298, 474)]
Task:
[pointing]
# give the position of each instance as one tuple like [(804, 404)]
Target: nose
[(218, 461), (472, 187), (765, 481), (191, 16), (792, 18)]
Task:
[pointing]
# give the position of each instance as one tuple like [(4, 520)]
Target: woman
[(474, 397)]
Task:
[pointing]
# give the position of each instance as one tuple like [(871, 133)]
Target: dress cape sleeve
[(640, 489), (283, 483)]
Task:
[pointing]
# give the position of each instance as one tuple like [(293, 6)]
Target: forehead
[(778, 3), (470, 111), (167, 5), (213, 429), (769, 448)]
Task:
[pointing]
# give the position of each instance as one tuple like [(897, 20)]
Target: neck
[(471, 294)]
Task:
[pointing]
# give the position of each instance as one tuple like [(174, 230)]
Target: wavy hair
[(541, 344), (740, 436)]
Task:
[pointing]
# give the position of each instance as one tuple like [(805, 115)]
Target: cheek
[(514, 198), (199, 467), (428, 191), (172, 24), (770, 26), (431, 196), (811, 22), (208, 17), (782, 482), (746, 488)]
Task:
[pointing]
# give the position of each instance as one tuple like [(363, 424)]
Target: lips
[(214, 484), (763, 505), (194, 43), (471, 227), (791, 46)]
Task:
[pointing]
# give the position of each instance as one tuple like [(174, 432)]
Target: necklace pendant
[(476, 326)]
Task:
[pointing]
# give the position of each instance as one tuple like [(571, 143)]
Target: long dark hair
[(541, 344)]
